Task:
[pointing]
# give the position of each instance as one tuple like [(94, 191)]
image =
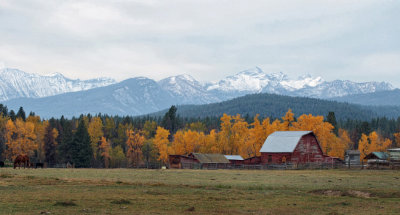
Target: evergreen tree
[(12, 115), (170, 121), (80, 146), (331, 118), (65, 146), (21, 113), (50, 144), (3, 110)]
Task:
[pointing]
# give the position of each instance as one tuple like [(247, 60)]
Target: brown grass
[(129, 191)]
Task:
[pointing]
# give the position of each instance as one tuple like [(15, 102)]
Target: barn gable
[(283, 141)]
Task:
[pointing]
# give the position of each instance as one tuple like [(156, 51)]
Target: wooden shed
[(297, 147), (352, 158), (198, 161), (377, 160), (394, 157), (235, 159)]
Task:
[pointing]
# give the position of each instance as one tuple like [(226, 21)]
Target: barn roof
[(394, 150), (210, 158), (378, 155), (283, 141), (234, 157)]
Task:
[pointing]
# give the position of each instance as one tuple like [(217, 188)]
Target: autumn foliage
[(116, 143)]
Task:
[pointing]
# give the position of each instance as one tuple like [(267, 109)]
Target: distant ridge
[(275, 106), (55, 95), (380, 98)]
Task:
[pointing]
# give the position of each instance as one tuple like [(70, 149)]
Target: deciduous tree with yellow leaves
[(20, 138), (134, 144)]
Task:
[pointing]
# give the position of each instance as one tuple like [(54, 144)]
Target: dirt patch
[(121, 202), (351, 193), (65, 203)]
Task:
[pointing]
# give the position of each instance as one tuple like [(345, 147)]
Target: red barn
[(297, 147)]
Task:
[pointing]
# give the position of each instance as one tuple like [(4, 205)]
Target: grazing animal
[(1, 164), (21, 160), (39, 165)]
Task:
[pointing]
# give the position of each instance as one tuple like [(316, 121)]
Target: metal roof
[(234, 157), (379, 155), (394, 150), (210, 158), (283, 141)]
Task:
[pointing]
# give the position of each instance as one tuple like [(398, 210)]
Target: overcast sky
[(355, 40)]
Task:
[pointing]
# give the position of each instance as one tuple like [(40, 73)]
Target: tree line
[(112, 141)]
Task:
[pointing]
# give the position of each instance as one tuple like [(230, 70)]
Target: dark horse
[(39, 165), (21, 160)]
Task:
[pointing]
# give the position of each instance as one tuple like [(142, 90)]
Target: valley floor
[(131, 191)]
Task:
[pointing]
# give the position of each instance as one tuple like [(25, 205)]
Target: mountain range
[(56, 95)]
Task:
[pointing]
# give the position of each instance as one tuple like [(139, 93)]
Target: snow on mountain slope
[(131, 97), (15, 83), (256, 81), (187, 90)]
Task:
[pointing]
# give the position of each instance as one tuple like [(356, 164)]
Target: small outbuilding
[(296, 147), (394, 157), (235, 159), (352, 158), (377, 159), (198, 161)]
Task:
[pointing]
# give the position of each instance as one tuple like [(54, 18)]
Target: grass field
[(130, 191)]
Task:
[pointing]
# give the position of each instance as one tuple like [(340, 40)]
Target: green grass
[(130, 191)]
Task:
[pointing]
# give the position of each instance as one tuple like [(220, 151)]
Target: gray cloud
[(348, 39)]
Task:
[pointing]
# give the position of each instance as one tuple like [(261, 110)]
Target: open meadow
[(132, 191)]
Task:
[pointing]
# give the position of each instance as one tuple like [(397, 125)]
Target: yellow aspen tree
[(287, 120), (342, 143), (225, 140), (397, 139), (20, 138), (178, 144), (363, 146), (95, 130), (192, 141), (162, 144), (240, 135), (40, 130), (211, 143), (377, 143), (134, 143), (105, 151), (256, 139)]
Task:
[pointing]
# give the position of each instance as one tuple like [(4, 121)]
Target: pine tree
[(170, 121), (12, 115), (331, 118), (50, 144), (81, 149), (21, 113)]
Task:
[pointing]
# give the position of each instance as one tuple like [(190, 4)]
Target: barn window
[(284, 159), (269, 158)]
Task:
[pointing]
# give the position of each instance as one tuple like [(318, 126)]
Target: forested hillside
[(274, 106), (112, 141)]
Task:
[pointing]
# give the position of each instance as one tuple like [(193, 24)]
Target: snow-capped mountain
[(256, 81), (15, 83), (139, 96), (187, 90), (133, 96)]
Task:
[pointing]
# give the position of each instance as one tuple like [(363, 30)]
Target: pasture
[(132, 191)]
